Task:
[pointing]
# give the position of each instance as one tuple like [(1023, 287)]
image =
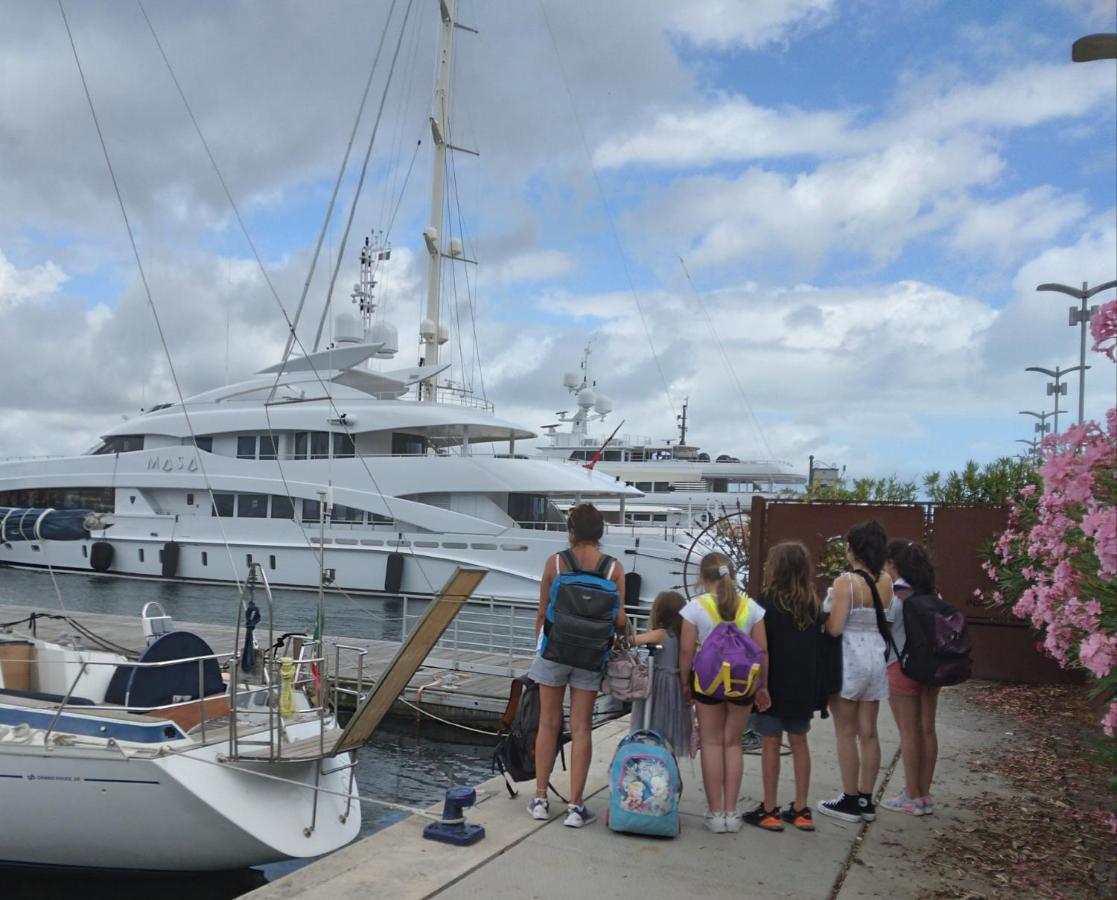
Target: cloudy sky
[(865, 195)]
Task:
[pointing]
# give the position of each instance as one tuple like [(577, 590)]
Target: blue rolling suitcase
[(644, 784)]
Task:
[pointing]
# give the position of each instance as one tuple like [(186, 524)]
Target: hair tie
[(723, 571)]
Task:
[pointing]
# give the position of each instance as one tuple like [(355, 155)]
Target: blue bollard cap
[(462, 795)]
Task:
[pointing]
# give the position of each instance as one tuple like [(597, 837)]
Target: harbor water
[(403, 763)]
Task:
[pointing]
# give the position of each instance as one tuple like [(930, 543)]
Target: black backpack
[(514, 755), (937, 651), (580, 620)]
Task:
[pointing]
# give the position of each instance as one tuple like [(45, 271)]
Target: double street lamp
[(1080, 317), (1033, 443), (1058, 388), (1041, 426)]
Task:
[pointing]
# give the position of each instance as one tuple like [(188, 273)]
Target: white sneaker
[(577, 816), (715, 822), (733, 822), (538, 809)]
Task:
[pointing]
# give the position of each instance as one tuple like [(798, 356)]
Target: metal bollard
[(453, 829)]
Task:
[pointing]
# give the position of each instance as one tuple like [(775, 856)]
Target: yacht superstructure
[(679, 483)]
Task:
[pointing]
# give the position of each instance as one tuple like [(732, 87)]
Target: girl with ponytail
[(721, 721)]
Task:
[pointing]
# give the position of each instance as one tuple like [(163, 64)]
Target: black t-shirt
[(793, 662)]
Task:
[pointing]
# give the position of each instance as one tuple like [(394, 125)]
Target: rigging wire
[(726, 359), (140, 267), (267, 405), (364, 169), (608, 212)]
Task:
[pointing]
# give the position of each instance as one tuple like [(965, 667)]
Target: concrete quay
[(520, 857)]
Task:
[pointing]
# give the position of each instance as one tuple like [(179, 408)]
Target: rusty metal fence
[(1004, 646)]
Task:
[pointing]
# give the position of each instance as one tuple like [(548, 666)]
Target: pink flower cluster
[(1103, 328)]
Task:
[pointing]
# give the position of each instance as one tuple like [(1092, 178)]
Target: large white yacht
[(199, 488), (679, 484)]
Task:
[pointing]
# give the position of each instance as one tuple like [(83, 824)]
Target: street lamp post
[(1058, 388), (1033, 443), (1080, 317), (1041, 426)]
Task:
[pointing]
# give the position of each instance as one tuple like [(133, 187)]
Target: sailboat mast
[(432, 235)]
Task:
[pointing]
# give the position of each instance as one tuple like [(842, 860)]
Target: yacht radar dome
[(347, 330), (603, 406), (586, 398), (384, 333), (571, 380)]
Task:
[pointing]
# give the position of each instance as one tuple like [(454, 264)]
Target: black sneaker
[(846, 807), (865, 804)]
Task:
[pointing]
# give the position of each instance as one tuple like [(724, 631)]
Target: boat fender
[(170, 559), (632, 583), (100, 556), (393, 573)]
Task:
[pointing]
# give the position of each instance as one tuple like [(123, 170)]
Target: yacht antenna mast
[(431, 332), (681, 419)]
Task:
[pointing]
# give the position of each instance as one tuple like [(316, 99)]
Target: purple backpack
[(728, 661)]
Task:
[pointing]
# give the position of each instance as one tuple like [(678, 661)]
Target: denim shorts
[(773, 726), (553, 674)]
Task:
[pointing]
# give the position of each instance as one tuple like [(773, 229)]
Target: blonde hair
[(718, 576), (788, 577)]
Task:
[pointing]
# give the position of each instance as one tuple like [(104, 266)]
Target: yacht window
[(189, 499), (645, 486), (248, 559), (269, 446), (141, 555), (246, 446), (85, 551), (282, 507), (612, 456), (205, 558), (271, 562), (311, 511), (95, 499), (223, 505), (319, 445), (377, 519), (659, 517), (343, 446), (347, 514), (121, 443), (301, 439), (204, 443), (252, 506), (532, 510), (408, 444), (661, 487)]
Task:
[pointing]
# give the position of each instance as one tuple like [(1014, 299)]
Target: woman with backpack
[(563, 633), (722, 617), (860, 607), (914, 705)]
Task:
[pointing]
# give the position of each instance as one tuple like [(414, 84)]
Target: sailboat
[(407, 500)]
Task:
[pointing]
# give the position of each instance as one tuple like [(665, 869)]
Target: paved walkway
[(520, 857)]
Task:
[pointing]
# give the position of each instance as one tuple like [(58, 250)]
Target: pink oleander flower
[(1103, 329), (1098, 653), (1109, 723)]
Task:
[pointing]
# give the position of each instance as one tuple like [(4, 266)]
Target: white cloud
[(536, 265), (17, 284), (723, 24), (1012, 228)]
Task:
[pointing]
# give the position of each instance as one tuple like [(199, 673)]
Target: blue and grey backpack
[(644, 787), (581, 615)]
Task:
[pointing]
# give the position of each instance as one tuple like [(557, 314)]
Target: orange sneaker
[(800, 818), (768, 819)]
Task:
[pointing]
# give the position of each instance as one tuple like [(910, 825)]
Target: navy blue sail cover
[(32, 524)]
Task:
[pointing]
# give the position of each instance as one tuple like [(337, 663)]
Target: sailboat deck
[(463, 686)]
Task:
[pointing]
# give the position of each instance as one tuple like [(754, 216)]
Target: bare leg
[(870, 744), (929, 739), (905, 710), (736, 717), (770, 770), (581, 742), (844, 714), (711, 730), (801, 761), (547, 735)]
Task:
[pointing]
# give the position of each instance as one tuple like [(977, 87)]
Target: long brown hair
[(788, 581), (665, 611), (718, 576)]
